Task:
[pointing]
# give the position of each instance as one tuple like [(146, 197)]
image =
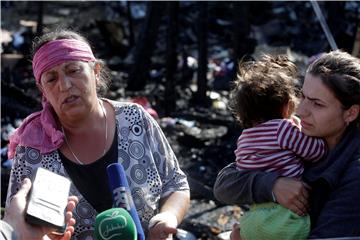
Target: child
[(263, 100)]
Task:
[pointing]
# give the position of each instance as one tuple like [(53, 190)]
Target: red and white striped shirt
[(277, 146)]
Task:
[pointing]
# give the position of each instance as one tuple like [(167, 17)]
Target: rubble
[(202, 135)]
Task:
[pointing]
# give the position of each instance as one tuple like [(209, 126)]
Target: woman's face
[(70, 88), (321, 113)]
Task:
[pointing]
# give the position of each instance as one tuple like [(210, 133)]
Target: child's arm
[(291, 138)]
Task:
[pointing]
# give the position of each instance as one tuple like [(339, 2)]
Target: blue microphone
[(121, 194)]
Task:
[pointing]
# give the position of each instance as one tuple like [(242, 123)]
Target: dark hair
[(262, 89), (340, 72), (104, 79)]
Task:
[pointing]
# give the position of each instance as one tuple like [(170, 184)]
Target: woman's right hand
[(292, 194), (162, 226)]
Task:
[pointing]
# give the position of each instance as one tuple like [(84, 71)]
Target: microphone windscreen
[(115, 224)]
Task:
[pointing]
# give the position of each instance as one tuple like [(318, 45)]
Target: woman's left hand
[(292, 194), (162, 226), (235, 233)]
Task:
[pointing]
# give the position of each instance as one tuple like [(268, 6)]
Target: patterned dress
[(151, 167)]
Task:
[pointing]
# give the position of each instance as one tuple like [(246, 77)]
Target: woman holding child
[(329, 191)]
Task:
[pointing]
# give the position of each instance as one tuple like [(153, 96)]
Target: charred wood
[(145, 45), (202, 30), (171, 55)]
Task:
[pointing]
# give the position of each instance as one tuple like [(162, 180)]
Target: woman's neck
[(333, 140), (84, 123), (87, 142)]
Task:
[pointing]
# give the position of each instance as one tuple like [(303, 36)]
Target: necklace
[(106, 130)]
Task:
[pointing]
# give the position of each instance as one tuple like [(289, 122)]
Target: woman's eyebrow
[(312, 99), (315, 99), (70, 64), (52, 72)]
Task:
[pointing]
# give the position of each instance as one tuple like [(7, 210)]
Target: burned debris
[(180, 58)]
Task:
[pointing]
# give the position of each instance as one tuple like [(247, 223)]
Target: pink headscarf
[(41, 130)]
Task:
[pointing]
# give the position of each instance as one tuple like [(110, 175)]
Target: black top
[(91, 179)]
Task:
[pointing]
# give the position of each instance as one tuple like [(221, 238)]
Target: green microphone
[(115, 224)]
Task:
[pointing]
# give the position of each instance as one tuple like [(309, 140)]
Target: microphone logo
[(111, 225), (122, 198)]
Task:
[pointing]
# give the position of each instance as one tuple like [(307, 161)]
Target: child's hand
[(296, 120)]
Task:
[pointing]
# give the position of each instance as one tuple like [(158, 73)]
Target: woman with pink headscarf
[(77, 135)]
